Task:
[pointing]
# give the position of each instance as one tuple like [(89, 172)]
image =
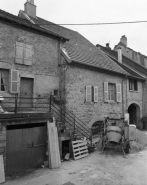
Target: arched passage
[(134, 112)]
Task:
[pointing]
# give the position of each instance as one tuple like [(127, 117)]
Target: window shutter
[(118, 91), (106, 91), (95, 94), (19, 48), (14, 81), (28, 53), (88, 93)]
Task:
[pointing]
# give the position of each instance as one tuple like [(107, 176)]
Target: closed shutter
[(118, 92), (106, 92), (88, 93), (95, 94), (14, 81), (19, 48), (28, 53)]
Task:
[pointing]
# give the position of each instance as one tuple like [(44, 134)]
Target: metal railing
[(17, 104), (67, 117)]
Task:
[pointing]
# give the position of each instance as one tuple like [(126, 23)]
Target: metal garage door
[(25, 147)]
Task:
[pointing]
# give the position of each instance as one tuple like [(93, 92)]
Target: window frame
[(133, 85), (5, 72), (112, 92)]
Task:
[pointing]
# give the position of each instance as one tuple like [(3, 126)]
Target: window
[(24, 53), (91, 94), (133, 85), (4, 80), (112, 92)]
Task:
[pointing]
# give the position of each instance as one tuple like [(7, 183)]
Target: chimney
[(124, 40), (30, 8), (107, 46), (119, 52)]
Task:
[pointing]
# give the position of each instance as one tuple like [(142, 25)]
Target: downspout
[(60, 78), (123, 99)]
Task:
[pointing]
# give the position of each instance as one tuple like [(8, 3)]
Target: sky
[(94, 11)]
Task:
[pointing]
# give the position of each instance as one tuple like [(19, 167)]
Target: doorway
[(26, 92), (134, 112)]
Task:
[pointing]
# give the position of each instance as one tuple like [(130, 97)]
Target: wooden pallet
[(80, 149)]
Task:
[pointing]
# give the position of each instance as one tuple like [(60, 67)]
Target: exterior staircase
[(68, 121)]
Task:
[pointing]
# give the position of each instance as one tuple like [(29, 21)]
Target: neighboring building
[(130, 53), (136, 93)]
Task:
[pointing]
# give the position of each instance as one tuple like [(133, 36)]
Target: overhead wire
[(105, 23)]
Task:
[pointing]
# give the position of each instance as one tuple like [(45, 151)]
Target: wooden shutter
[(106, 99), (19, 49), (118, 93), (95, 94), (14, 81), (88, 93), (28, 53)]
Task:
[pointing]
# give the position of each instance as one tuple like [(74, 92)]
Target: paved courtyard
[(107, 168)]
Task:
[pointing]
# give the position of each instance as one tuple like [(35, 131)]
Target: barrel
[(113, 134)]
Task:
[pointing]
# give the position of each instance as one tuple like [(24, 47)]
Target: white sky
[(94, 11)]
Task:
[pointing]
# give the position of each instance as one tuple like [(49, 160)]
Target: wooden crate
[(80, 149)]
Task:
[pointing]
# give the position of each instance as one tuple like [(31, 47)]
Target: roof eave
[(72, 61), (20, 22)]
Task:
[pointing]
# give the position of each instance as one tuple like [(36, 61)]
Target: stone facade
[(44, 68), (78, 78)]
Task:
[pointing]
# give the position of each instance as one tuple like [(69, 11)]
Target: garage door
[(25, 147)]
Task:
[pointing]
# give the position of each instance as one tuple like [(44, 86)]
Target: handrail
[(77, 119), (78, 122), (71, 124), (69, 121)]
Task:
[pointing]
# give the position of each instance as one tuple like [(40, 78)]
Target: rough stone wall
[(76, 80), (137, 97), (44, 68)]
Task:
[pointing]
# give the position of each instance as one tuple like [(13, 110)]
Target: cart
[(115, 137)]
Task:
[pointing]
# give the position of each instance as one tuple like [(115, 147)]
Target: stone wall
[(76, 80), (44, 68)]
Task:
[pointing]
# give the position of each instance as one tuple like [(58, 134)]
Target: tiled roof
[(81, 50), (127, 64), (17, 20)]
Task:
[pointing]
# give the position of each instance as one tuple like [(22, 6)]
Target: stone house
[(136, 100), (29, 58)]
